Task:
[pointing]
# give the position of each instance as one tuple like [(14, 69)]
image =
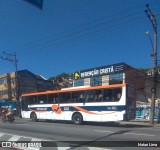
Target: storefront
[(143, 112), (108, 75), (105, 75)]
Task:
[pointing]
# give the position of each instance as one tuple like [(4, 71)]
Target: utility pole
[(152, 18), (13, 59)]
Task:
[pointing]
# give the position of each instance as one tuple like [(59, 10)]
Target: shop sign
[(105, 70)]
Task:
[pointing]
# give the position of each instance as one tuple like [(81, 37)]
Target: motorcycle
[(10, 117)]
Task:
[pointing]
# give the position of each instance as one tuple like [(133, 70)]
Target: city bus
[(109, 103)]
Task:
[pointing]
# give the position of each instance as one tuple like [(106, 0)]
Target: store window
[(95, 81), (79, 82), (116, 78), (3, 81), (3, 92)]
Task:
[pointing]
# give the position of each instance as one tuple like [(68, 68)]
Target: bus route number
[(66, 108)]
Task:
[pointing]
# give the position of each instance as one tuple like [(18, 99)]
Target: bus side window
[(65, 97), (98, 96), (111, 95), (90, 96), (42, 99), (74, 97), (87, 98), (78, 97), (96, 99), (106, 95), (56, 100), (52, 98), (81, 98), (25, 103), (118, 95), (32, 100)]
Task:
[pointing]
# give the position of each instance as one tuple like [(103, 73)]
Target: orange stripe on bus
[(89, 112), (77, 89), (83, 110)]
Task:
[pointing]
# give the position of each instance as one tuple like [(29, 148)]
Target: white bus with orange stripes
[(111, 103)]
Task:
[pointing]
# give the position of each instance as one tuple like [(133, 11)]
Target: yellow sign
[(76, 75)]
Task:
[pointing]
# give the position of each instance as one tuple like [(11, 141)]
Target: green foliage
[(144, 70), (60, 77), (61, 81)]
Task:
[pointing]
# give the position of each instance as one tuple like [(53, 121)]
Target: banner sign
[(105, 70)]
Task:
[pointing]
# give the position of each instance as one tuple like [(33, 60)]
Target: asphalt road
[(84, 135)]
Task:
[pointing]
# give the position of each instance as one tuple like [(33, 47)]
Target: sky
[(73, 35)]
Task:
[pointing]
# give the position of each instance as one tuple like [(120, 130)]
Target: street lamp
[(148, 34)]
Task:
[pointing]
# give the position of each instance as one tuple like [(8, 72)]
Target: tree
[(61, 81)]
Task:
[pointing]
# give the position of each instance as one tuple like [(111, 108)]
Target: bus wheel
[(77, 118), (33, 116)]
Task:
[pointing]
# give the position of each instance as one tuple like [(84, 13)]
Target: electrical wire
[(80, 36), (77, 33)]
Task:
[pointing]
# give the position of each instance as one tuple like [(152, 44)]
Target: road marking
[(124, 133), (104, 131), (1, 134), (19, 136), (58, 145), (140, 134), (156, 128), (82, 148), (14, 138)]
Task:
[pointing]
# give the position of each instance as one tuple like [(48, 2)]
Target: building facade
[(26, 82), (112, 74)]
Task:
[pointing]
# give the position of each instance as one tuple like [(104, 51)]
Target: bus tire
[(77, 118), (33, 116)]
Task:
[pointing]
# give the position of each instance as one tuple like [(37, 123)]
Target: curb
[(139, 123)]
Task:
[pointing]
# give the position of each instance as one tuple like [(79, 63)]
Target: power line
[(81, 35), (81, 31), (81, 26)]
